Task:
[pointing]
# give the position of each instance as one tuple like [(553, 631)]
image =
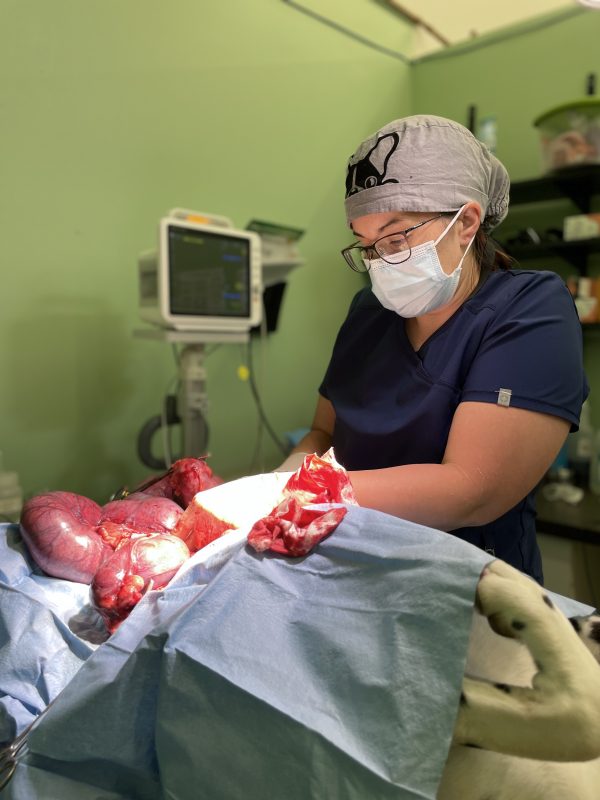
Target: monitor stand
[(192, 401)]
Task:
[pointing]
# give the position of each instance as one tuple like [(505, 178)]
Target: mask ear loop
[(466, 251), (460, 263), (470, 243), (450, 224)]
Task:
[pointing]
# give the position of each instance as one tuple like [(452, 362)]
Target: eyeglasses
[(393, 248)]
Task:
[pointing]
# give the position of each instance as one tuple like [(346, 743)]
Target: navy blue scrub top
[(519, 333)]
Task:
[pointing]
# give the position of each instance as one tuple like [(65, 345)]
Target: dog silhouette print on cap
[(370, 170)]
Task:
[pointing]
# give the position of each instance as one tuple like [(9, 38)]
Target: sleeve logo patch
[(504, 396)]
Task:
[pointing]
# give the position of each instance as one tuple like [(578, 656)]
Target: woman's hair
[(489, 254)]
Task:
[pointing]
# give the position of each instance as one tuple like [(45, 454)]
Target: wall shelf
[(580, 522), (578, 184), (574, 252)]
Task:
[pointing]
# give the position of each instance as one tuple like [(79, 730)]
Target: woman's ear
[(471, 220)]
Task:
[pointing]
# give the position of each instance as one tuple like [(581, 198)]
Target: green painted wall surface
[(516, 79), (114, 112)]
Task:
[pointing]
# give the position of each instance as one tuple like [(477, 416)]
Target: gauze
[(419, 284)]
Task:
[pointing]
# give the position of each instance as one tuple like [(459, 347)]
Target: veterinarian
[(455, 379)]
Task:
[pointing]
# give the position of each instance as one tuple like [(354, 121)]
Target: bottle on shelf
[(586, 302)]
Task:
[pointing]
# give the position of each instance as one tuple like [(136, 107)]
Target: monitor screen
[(209, 273)]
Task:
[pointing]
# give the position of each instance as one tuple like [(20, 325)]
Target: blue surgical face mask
[(419, 284)]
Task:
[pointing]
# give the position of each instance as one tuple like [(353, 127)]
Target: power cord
[(259, 407), (166, 416), (258, 463)]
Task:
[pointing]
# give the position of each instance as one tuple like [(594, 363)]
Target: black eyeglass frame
[(356, 246)]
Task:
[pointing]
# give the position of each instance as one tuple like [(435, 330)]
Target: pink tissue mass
[(128, 547)]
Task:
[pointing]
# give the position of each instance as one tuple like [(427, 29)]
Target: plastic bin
[(570, 134)]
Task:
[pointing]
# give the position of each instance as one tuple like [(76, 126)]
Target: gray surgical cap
[(425, 163)]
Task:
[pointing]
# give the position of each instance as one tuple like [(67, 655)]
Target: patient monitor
[(204, 283), (205, 276)]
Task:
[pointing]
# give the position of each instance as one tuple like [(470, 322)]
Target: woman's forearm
[(479, 479), (440, 496)]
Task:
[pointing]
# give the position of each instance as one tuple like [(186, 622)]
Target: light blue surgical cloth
[(335, 676), (39, 654)]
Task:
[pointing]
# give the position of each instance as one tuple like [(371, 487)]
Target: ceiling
[(463, 20)]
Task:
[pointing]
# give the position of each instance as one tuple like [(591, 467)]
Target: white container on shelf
[(570, 134), (586, 303)]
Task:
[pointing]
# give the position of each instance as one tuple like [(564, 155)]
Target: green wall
[(113, 113), (515, 78)]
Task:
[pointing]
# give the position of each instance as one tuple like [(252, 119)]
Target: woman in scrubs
[(454, 380)]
